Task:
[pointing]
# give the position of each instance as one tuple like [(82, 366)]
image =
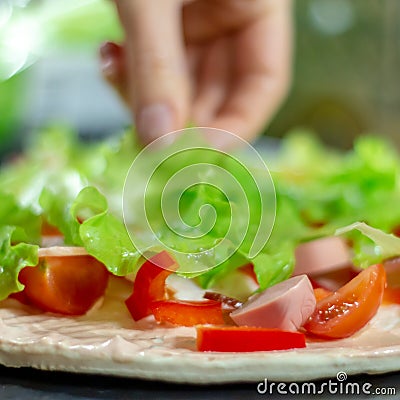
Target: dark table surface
[(26, 383)]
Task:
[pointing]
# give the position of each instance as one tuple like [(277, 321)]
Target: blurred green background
[(345, 69)]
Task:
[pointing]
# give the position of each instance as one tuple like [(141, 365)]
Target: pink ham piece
[(321, 256), (286, 306)]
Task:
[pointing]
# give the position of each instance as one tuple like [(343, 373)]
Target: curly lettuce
[(13, 258), (77, 187)]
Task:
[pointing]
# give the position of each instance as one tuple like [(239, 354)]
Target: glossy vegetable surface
[(68, 285), (188, 313), (347, 310), (247, 339), (149, 285)]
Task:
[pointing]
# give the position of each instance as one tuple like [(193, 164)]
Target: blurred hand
[(217, 63)]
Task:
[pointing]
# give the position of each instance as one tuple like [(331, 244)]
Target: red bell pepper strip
[(246, 339), (149, 285), (188, 313)]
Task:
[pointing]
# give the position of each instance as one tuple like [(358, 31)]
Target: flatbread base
[(107, 341)]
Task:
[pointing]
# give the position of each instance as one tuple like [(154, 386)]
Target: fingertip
[(110, 48), (153, 121), (112, 67), (109, 53)]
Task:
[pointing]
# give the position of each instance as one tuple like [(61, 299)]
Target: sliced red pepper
[(21, 297), (149, 285), (188, 313), (246, 339)]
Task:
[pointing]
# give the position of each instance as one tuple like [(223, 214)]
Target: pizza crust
[(107, 341)]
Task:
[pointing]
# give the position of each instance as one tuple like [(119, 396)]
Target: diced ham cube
[(286, 306)]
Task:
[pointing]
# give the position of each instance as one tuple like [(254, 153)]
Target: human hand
[(216, 63)]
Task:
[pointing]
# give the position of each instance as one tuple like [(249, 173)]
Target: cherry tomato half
[(347, 310), (67, 284)]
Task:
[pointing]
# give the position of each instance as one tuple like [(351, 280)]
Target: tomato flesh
[(67, 285), (344, 312), (149, 285), (246, 339), (188, 313)]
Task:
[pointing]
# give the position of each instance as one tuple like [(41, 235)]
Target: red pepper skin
[(149, 285), (188, 313), (247, 339)]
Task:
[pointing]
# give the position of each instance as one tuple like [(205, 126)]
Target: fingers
[(208, 19), (242, 79), (213, 79), (157, 77), (262, 60), (112, 66)]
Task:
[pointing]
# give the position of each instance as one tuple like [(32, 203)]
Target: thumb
[(157, 77)]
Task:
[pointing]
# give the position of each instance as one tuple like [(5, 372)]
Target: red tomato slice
[(347, 310), (188, 313), (149, 285), (244, 339), (66, 285)]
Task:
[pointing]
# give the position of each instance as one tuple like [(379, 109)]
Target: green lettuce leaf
[(25, 221), (318, 190), (274, 266), (380, 246), (56, 210), (12, 260), (104, 236)]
